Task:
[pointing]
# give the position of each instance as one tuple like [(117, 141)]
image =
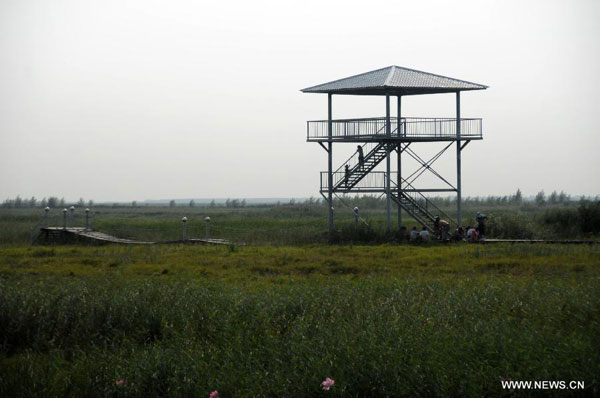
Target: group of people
[(441, 231), (361, 163)]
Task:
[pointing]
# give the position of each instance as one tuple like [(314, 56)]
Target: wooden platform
[(576, 242), (59, 235)]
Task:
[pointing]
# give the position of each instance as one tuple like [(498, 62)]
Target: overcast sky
[(132, 100)]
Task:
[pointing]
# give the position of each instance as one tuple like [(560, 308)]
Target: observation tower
[(381, 137)]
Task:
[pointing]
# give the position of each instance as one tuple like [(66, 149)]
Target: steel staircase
[(356, 172), (417, 211), (418, 206)]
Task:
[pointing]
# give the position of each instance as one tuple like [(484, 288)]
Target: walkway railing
[(417, 128)]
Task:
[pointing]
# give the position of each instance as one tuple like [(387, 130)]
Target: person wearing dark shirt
[(346, 175), (361, 156)]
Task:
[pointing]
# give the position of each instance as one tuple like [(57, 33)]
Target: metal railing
[(410, 127), (352, 161), (420, 200), (371, 181), (376, 180)]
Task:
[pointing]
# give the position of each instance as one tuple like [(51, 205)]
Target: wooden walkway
[(51, 235), (575, 242)]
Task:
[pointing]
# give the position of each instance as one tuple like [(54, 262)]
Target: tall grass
[(378, 338), (300, 224)]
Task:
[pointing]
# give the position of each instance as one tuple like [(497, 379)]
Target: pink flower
[(121, 382), (214, 394), (327, 383)]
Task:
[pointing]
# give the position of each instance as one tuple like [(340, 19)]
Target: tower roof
[(394, 80)]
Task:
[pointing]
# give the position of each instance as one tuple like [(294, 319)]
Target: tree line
[(51, 201), (366, 201)]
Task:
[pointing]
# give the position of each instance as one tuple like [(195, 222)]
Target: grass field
[(278, 311), (301, 223), (263, 321)]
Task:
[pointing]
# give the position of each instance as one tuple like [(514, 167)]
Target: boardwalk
[(51, 235), (575, 242)]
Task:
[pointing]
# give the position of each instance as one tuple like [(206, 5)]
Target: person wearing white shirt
[(424, 234), (414, 234)]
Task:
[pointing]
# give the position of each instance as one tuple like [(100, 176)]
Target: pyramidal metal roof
[(395, 80)]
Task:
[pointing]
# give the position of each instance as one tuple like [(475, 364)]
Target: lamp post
[(72, 218), (46, 210), (356, 216), (207, 220), (87, 218), (184, 221), (65, 218)]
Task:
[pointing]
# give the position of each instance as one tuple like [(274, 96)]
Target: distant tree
[(212, 203), (228, 203), (18, 202), (243, 203), (43, 203), (540, 198), (553, 198), (62, 202), (518, 198), (192, 203), (90, 203), (589, 216), (292, 201), (81, 202), (134, 203), (172, 203), (563, 197), (52, 201)]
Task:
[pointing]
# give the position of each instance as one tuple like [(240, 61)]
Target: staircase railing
[(362, 170), (368, 147), (418, 199)]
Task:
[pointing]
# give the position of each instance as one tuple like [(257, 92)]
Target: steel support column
[(399, 151), (458, 165), (388, 132), (330, 163)]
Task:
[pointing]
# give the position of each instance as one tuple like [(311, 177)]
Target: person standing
[(444, 228), (436, 227), (361, 156), (346, 175), (481, 224)]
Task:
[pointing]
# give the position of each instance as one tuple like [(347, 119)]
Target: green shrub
[(511, 226), (589, 217)]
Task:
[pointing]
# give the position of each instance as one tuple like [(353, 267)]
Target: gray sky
[(124, 100)]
